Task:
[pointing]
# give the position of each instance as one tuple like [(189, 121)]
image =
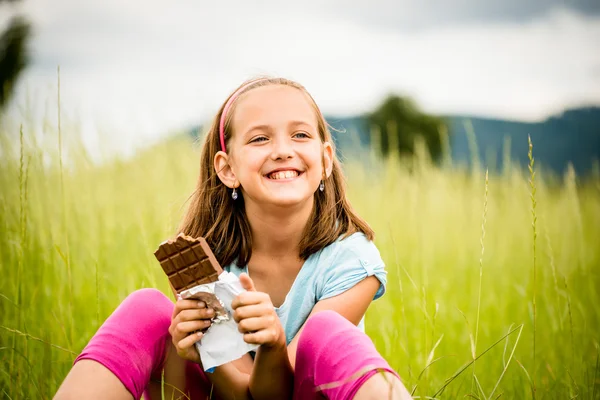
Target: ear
[(327, 159), (224, 170)]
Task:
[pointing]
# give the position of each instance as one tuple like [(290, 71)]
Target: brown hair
[(222, 221)]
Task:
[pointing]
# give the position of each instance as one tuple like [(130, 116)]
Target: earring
[(322, 186), (234, 194)]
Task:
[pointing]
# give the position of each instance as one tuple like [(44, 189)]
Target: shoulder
[(353, 247), (346, 262)]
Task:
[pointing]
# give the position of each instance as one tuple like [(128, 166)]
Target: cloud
[(430, 14), (142, 68)]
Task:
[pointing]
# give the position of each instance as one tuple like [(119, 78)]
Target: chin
[(287, 199)]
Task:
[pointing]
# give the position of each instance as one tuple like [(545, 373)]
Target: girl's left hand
[(256, 317)]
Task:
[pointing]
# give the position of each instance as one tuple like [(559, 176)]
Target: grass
[(78, 237)]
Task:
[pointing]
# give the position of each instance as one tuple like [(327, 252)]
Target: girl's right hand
[(190, 319)]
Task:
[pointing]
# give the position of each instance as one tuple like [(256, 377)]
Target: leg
[(383, 385), (89, 379), (336, 360), (128, 353)]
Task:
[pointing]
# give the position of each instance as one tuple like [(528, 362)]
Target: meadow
[(493, 280)]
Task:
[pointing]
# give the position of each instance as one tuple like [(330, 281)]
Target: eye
[(258, 139), (301, 135)]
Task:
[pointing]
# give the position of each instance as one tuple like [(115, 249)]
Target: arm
[(232, 380), (272, 376), (352, 305)]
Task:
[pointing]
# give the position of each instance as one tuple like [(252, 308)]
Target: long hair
[(222, 221)]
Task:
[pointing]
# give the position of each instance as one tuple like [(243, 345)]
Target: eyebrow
[(297, 123), (257, 128)]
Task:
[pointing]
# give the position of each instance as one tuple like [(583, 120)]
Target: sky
[(130, 71)]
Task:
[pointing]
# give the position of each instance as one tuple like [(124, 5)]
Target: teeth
[(284, 174)]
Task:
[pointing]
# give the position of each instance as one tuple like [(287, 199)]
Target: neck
[(277, 231)]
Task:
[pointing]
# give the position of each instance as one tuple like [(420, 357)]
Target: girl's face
[(275, 155)]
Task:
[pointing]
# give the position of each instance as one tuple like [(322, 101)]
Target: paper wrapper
[(222, 342)]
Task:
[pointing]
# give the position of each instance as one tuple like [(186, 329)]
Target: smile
[(283, 175)]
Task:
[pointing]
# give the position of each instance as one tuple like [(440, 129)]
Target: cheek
[(314, 157), (248, 163)]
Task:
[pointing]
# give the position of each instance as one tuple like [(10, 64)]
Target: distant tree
[(398, 122), (13, 54)]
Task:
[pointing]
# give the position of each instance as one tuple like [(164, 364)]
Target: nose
[(282, 149)]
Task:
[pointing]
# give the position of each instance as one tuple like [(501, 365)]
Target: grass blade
[(479, 388), (595, 381), (512, 353), (534, 226), (483, 221), (28, 336), (467, 365)]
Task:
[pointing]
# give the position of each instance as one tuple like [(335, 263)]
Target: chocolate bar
[(188, 262)]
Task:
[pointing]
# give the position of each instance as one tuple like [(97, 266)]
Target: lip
[(284, 169)]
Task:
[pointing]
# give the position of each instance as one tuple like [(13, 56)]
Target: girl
[(271, 203)]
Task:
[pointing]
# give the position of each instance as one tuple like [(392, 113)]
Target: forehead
[(273, 105)]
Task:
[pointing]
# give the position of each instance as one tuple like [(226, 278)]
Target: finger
[(256, 310), (261, 337), (247, 282), (192, 326), (249, 298), (189, 341), (252, 325), (187, 305), (197, 314)]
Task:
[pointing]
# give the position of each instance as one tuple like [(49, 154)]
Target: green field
[(77, 238)]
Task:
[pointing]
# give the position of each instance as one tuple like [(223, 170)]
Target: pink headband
[(228, 106)]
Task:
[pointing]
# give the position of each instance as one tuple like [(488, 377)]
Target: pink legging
[(333, 359)]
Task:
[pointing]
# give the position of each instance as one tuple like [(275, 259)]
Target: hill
[(571, 137)]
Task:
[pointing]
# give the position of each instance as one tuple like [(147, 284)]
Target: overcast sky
[(138, 68)]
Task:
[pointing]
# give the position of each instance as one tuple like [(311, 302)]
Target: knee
[(323, 320), (147, 297), (150, 305), (319, 328), (324, 341)]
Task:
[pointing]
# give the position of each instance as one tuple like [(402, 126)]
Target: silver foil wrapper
[(206, 293)]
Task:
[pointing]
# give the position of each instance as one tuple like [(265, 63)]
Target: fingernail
[(210, 311), (200, 334), (201, 304)]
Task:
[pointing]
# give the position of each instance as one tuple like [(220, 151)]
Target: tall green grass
[(77, 238)]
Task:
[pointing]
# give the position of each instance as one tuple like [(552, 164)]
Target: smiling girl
[(271, 203)]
